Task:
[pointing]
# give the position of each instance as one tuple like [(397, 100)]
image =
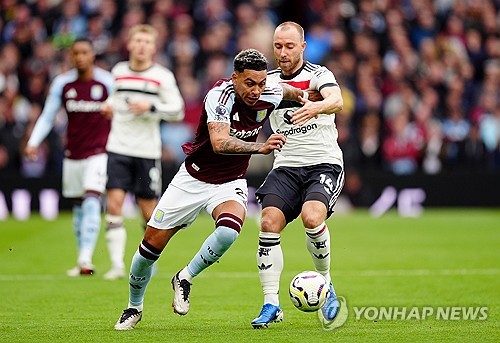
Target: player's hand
[(31, 153), (139, 107), (306, 112), (106, 111), (274, 142)]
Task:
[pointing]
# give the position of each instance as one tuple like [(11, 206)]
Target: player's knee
[(310, 220), (269, 224)]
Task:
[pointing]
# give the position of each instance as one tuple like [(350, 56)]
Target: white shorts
[(88, 174), (186, 196)]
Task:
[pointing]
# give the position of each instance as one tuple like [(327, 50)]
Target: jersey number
[(242, 194)]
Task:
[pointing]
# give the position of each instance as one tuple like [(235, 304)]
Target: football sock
[(270, 264), (116, 237), (227, 229), (140, 273), (90, 226), (77, 221), (318, 244)]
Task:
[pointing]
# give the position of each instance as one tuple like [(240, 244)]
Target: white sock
[(116, 237), (318, 244), (185, 274), (270, 264), (85, 256)]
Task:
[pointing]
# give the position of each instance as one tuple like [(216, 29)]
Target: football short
[(140, 176), (87, 174), (295, 185), (186, 197)]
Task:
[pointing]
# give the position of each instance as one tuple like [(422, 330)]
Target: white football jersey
[(316, 141), (139, 135)]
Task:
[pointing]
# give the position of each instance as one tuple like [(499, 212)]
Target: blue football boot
[(269, 313), (331, 307)]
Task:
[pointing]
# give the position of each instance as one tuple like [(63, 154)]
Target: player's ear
[(234, 77)]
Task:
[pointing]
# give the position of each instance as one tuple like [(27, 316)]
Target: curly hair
[(250, 59)]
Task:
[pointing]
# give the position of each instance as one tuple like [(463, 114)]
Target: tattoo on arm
[(226, 144), (234, 145)]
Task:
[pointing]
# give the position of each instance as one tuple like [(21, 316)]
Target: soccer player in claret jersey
[(307, 174), (211, 178), (145, 94), (81, 91)]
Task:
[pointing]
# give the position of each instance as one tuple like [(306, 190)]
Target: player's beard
[(288, 66)]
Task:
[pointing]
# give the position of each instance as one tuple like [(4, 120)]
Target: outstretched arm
[(292, 93), (224, 143), (332, 102)]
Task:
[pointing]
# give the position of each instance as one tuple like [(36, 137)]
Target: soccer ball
[(309, 291)]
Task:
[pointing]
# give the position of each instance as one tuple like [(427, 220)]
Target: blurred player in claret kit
[(81, 91)]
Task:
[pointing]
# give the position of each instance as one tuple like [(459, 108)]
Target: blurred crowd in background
[(420, 78)]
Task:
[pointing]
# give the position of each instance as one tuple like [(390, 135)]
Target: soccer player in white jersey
[(81, 91), (145, 93), (212, 178), (307, 174)]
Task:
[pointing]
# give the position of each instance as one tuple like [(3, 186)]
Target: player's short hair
[(83, 40), (250, 59), (291, 24), (146, 28)]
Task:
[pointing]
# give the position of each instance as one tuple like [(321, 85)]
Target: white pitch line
[(249, 275)]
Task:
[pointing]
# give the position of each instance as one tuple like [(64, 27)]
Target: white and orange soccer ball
[(309, 291)]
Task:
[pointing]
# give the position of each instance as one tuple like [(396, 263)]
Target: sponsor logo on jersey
[(158, 216), (96, 92), (245, 134), (83, 106), (298, 130), (261, 115), (287, 117), (71, 93)]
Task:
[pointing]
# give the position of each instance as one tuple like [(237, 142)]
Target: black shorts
[(140, 176), (289, 187)]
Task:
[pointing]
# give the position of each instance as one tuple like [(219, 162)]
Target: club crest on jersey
[(158, 217), (96, 92), (261, 115)]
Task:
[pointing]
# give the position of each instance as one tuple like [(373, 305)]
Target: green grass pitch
[(444, 258)]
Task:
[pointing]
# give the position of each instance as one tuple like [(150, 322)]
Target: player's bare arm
[(293, 93), (332, 102), (224, 143)]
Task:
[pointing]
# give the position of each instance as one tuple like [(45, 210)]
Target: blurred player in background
[(145, 93), (212, 178), (307, 174), (81, 91)]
